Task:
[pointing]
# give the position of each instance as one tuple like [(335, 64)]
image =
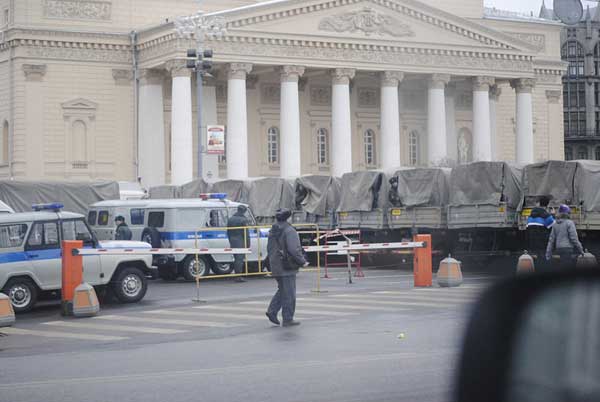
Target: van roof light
[(51, 206), (213, 196)]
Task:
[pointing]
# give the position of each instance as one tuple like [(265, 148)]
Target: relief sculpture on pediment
[(368, 21)]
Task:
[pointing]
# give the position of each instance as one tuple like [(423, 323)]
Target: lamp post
[(200, 26)]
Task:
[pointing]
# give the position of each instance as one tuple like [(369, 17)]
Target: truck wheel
[(222, 268), (152, 237), (189, 268), (130, 285), (23, 294)]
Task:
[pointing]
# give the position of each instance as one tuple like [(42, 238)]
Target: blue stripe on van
[(208, 235), (33, 255)]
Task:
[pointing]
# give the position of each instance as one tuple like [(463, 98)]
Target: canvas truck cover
[(587, 185), (317, 194), (76, 197), (364, 191), (422, 187), (551, 178), (236, 190), (194, 188), (488, 183), (268, 194), (164, 192)]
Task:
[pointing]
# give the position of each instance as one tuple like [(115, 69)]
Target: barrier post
[(197, 275), (72, 274), (422, 270)]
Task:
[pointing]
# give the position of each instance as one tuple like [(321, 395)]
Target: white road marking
[(110, 327), (312, 303), (206, 313), (368, 301), (315, 312), (57, 334), (195, 323), (425, 296)]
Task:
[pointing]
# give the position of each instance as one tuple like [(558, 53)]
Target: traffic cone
[(7, 314), (85, 302), (587, 260), (449, 273), (525, 265)]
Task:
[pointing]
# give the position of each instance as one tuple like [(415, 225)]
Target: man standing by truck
[(238, 238), (122, 232), (539, 224)]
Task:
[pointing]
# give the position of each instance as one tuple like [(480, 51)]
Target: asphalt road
[(377, 340)]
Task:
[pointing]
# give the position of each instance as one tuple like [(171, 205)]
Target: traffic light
[(202, 61)]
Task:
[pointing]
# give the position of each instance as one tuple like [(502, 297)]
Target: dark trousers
[(285, 298), (567, 258), (238, 263)]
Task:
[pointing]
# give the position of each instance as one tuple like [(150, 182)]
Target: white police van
[(180, 223), (31, 264)]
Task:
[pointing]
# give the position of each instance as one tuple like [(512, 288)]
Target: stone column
[(341, 123), (237, 121), (524, 118), (151, 143), (389, 147), (556, 141), (290, 146), (182, 160), (437, 150), (210, 163), (451, 134), (482, 141), (495, 92)]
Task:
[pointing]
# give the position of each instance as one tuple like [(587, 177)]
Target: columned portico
[(237, 121), (482, 141), (495, 92), (341, 127), (436, 120), (290, 122), (151, 143), (181, 123), (390, 120), (524, 118)]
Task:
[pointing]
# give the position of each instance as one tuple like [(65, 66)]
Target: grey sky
[(526, 6)]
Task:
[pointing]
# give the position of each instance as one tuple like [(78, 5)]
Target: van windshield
[(191, 218)]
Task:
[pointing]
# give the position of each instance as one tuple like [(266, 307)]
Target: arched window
[(582, 153), (574, 89), (273, 145), (597, 154), (369, 142), (322, 147), (4, 143), (568, 154), (413, 148), (79, 141)]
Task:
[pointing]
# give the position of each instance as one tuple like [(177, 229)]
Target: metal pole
[(199, 115)]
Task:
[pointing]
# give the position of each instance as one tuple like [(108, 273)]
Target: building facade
[(94, 89)]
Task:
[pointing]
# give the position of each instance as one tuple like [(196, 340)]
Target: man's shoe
[(272, 318), (239, 279), (290, 323)]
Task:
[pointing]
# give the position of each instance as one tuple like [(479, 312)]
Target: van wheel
[(23, 294), (130, 285), (221, 268), (189, 268), (152, 237)]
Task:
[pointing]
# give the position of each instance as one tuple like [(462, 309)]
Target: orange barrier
[(7, 314), (72, 274), (449, 274), (85, 303), (423, 275)]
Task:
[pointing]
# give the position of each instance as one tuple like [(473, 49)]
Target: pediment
[(391, 21), (80, 103)]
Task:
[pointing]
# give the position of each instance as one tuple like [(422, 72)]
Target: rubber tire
[(218, 270), (168, 272), (117, 287), (190, 259), (24, 282), (152, 236)]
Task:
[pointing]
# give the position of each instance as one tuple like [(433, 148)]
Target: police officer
[(122, 232), (238, 238)]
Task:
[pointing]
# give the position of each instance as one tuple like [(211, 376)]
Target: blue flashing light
[(218, 196), (51, 206)]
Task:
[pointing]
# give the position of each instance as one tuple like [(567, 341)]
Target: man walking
[(285, 257), (122, 232), (539, 224), (238, 238), (564, 240)]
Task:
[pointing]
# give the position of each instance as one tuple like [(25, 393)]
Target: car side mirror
[(534, 338)]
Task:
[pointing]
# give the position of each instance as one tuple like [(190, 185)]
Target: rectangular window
[(103, 218), (136, 216), (6, 17), (217, 218), (43, 235), (156, 219), (92, 215), (76, 230), (12, 235)]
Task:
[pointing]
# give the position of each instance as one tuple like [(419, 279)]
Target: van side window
[(103, 218), (216, 219), (156, 219), (136, 216), (92, 215), (43, 235), (76, 230), (12, 235)]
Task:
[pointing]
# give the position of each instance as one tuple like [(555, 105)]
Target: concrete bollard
[(587, 260), (449, 273), (7, 313), (525, 265), (85, 302)]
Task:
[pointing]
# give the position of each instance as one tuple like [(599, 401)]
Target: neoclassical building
[(94, 89)]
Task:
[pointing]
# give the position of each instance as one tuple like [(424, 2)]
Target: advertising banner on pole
[(215, 136)]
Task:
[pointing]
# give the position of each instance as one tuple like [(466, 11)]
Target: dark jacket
[(236, 236), (563, 236), (123, 232), (283, 235), (539, 224), (540, 217)]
